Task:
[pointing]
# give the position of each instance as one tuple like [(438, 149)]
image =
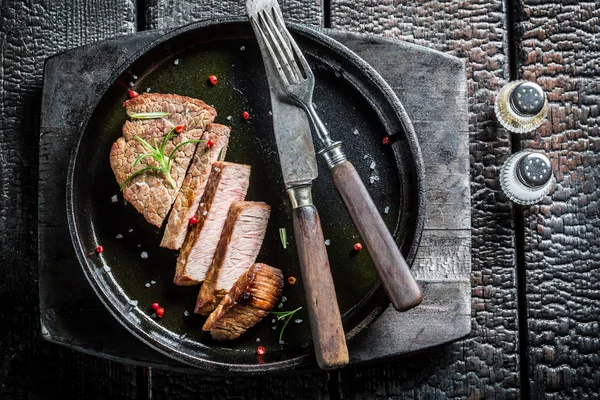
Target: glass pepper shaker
[(521, 106), (526, 177)]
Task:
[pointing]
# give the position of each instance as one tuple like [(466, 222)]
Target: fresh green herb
[(287, 315), (149, 115), (158, 153), (220, 158), (283, 237)]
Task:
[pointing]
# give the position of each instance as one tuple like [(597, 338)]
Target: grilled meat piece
[(240, 243), (150, 192), (189, 196), (228, 182), (254, 294)]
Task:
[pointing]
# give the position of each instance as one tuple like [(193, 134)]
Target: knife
[(299, 169)]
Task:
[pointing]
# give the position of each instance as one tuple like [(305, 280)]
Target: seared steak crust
[(254, 294), (239, 245), (188, 199), (228, 182), (150, 193)]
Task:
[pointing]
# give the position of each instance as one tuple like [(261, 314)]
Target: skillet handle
[(323, 311), (394, 273)]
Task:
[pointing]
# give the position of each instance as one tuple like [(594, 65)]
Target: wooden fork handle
[(323, 311), (400, 285)]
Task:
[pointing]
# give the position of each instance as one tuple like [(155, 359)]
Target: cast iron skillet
[(358, 107)]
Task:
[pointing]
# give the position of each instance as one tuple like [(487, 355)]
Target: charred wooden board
[(562, 233), (443, 263)]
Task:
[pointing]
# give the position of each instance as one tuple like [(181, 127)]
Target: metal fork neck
[(332, 151)]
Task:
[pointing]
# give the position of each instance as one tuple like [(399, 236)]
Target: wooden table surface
[(535, 280)]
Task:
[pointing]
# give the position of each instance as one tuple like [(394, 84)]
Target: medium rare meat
[(240, 242), (251, 298), (228, 182), (188, 199), (150, 192)]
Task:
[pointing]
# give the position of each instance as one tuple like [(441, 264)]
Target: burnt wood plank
[(486, 364), (168, 14), (29, 366), (558, 46)]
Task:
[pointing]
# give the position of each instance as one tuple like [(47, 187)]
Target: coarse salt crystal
[(228, 118), (134, 76), (153, 282), (134, 303), (139, 246), (176, 62), (242, 48), (257, 340), (355, 132), (186, 313), (327, 242), (273, 320), (147, 90), (298, 320), (274, 327), (201, 204), (373, 178), (144, 254), (386, 209), (114, 198), (365, 156), (283, 299), (131, 84), (147, 284), (372, 166), (106, 268), (130, 230), (280, 305), (281, 342), (119, 236), (204, 212)]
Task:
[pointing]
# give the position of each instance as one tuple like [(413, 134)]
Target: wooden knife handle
[(400, 285), (323, 311)]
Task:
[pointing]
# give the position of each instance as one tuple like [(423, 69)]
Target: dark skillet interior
[(181, 65)]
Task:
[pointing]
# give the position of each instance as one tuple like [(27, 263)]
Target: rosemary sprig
[(149, 115), (283, 237), (158, 153), (287, 315), (220, 157)]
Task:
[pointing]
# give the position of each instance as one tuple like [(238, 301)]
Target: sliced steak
[(250, 299), (188, 199), (228, 182), (150, 192), (240, 243)]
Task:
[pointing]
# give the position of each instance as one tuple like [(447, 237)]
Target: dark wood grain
[(486, 365), (29, 366), (401, 287), (171, 14), (322, 307), (558, 46)]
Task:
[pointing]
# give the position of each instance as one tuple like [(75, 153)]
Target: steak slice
[(251, 298), (150, 193), (188, 199), (228, 182), (240, 242)]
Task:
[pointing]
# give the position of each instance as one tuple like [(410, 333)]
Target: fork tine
[(279, 29), (264, 18), (299, 55), (271, 51)]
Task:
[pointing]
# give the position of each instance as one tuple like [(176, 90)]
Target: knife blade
[(299, 168)]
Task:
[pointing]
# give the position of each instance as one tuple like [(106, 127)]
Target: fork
[(298, 82)]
